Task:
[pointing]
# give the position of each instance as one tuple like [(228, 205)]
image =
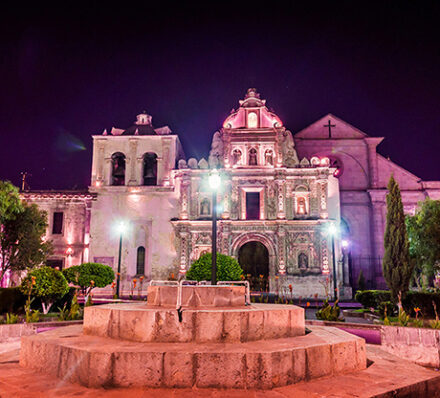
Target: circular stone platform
[(138, 322), (213, 340), (103, 362)]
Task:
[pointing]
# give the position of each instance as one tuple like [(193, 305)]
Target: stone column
[(377, 228), (281, 214), (372, 143), (184, 237), (323, 196), (133, 143), (164, 168), (100, 172), (185, 196), (281, 251)]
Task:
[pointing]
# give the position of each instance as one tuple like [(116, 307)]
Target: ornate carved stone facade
[(256, 157)]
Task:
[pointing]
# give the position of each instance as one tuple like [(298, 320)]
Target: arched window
[(253, 157), (118, 169), (150, 169), (252, 120), (140, 261)]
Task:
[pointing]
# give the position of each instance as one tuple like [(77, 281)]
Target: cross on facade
[(329, 125)]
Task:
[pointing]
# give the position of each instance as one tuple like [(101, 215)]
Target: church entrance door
[(253, 257)]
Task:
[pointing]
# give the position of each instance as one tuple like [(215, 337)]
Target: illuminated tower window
[(252, 120)]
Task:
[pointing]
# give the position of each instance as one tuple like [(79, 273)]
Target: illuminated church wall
[(278, 189)]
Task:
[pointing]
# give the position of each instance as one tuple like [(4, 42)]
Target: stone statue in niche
[(301, 206), (216, 153), (268, 155), (236, 156), (303, 261), (253, 157), (271, 205), (290, 158), (205, 207), (234, 203)]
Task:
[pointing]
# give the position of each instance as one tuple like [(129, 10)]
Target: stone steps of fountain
[(100, 361), (139, 322)]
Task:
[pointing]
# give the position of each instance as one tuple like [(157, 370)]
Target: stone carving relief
[(271, 202), (290, 158), (216, 153)]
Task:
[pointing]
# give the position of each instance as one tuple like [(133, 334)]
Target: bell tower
[(140, 155)]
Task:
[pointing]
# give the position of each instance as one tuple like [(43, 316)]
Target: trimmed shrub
[(228, 268), (372, 298), (89, 275), (46, 283)]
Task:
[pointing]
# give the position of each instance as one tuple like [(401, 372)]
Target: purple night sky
[(68, 73)]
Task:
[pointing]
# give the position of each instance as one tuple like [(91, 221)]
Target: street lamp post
[(214, 183), (121, 227), (332, 231)]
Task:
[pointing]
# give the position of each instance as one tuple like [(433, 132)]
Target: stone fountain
[(211, 339)]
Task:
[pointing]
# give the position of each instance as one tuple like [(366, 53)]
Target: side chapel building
[(279, 193)]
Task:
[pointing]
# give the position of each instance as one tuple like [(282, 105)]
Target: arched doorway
[(253, 257)]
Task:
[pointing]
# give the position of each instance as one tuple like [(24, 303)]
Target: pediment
[(340, 129)]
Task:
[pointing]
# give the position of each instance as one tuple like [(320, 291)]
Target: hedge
[(372, 298), (413, 299)]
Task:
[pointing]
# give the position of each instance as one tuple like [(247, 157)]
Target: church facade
[(279, 194)]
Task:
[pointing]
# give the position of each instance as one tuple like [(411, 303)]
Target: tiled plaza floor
[(387, 376)]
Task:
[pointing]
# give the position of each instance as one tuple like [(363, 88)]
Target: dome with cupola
[(252, 114)]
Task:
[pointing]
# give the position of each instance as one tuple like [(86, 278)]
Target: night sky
[(69, 72)]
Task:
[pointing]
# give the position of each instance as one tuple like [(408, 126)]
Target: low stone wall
[(16, 330), (417, 345)]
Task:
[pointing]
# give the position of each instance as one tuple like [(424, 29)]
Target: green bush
[(413, 299), (422, 300), (11, 300), (46, 283), (329, 313), (386, 308), (89, 275), (228, 268), (372, 298), (11, 318)]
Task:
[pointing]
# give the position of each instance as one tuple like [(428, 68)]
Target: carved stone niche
[(302, 258)]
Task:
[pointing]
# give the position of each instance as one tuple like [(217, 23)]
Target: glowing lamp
[(121, 227), (345, 243), (332, 229), (214, 180)]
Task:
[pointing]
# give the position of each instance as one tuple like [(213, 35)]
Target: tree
[(21, 240), (228, 268), (424, 240), (10, 203), (47, 283), (89, 275), (397, 269)]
